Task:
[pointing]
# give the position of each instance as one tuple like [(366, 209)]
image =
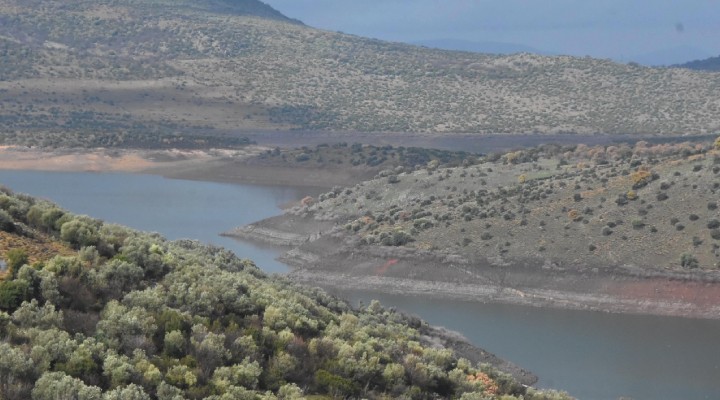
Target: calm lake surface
[(177, 209), (591, 355)]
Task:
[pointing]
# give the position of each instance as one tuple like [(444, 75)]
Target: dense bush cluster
[(133, 316)]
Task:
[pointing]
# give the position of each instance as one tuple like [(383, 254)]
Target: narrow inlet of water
[(591, 355)]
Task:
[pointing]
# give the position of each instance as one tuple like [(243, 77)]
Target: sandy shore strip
[(214, 165), (113, 160)]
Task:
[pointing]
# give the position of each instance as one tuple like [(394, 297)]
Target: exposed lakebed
[(591, 355)]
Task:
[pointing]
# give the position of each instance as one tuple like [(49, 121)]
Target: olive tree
[(59, 386)]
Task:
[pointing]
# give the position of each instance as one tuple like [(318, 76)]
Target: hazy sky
[(602, 28)]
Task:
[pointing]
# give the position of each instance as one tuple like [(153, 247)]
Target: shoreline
[(199, 165), (104, 161), (501, 295), (315, 258), (215, 165)]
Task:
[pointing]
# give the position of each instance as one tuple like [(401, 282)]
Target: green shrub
[(396, 238), (6, 222), (422, 223), (335, 385), (12, 294), (15, 258), (689, 261)]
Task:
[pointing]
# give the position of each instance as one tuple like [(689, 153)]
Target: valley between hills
[(559, 182), (604, 227)]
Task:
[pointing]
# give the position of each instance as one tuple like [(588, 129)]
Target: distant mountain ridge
[(166, 67), (708, 64), (479, 46), (669, 56)]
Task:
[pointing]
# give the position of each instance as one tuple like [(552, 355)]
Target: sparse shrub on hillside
[(696, 241), (302, 157), (662, 196), (713, 224), (712, 206), (638, 223), (395, 238), (640, 178), (689, 261), (715, 234), (422, 223)]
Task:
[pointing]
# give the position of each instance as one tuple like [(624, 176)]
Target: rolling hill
[(170, 67), (612, 227)]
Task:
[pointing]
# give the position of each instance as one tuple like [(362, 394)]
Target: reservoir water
[(177, 209), (591, 355)]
